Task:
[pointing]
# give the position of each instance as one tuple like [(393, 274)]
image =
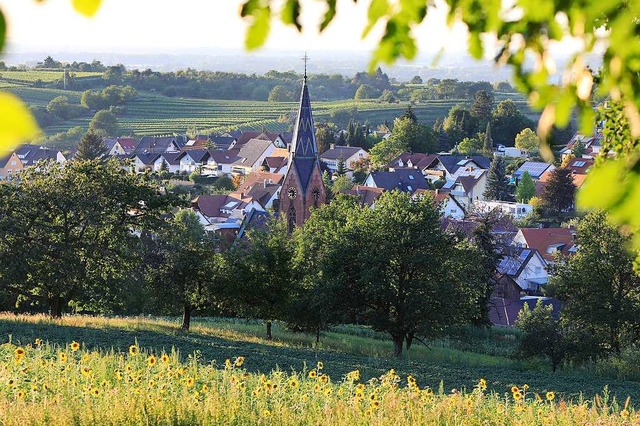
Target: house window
[(13, 163)]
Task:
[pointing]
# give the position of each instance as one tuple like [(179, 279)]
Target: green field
[(151, 114), (45, 76), (457, 363)]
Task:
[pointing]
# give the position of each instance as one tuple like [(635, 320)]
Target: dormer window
[(410, 177)]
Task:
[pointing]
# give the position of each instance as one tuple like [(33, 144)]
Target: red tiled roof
[(368, 195), (542, 239), (258, 178)]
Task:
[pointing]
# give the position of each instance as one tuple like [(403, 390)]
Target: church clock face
[(292, 193), (315, 194)]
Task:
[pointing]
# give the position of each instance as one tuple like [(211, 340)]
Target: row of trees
[(92, 237)]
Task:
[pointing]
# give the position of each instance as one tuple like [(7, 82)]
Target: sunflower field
[(42, 383)]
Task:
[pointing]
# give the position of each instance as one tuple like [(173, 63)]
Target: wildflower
[(514, 389), (320, 365), (134, 350), (190, 382), (256, 392), (239, 361), (204, 388), (328, 391), (266, 413), (151, 361), (165, 358), (293, 382), (317, 388), (74, 346), (11, 383), (482, 385), (324, 378), (119, 375), (624, 413), (313, 374), (373, 397), (359, 394), (227, 364), (304, 398), (19, 354), (95, 391), (551, 396), (104, 383), (525, 386)]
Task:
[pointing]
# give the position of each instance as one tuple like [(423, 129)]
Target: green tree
[(527, 141), (543, 334), (78, 242), (470, 146), (497, 187), (59, 106), (578, 149), (416, 80), (559, 193), (262, 267), (417, 137), (598, 285), (341, 169), (280, 94), (183, 266), (526, 188), (487, 142), (91, 146), (507, 121), (104, 121), (342, 183), (386, 150), (324, 137), (366, 91), (482, 107)]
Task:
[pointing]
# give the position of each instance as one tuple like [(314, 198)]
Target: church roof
[(304, 139)]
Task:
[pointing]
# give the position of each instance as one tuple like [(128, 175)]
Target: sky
[(159, 26)]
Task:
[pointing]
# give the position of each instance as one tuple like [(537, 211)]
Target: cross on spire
[(305, 58)]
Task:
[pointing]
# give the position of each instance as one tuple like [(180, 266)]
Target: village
[(272, 173)]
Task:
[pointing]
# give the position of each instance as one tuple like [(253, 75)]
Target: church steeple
[(304, 138)]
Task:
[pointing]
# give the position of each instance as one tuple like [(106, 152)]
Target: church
[(302, 187)]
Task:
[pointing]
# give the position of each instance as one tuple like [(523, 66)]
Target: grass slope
[(341, 351)]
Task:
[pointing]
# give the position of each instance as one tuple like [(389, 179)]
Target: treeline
[(89, 237)]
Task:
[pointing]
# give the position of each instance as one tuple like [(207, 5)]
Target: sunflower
[(517, 396), (62, 357), (74, 346), (514, 389), (324, 378), (95, 391), (21, 394), (375, 404), (151, 361), (328, 391), (238, 361), (313, 374), (320, 365), (551, 396), (227, 364), (19, 353), (293, 382), (165, 358), (266, 413), (624, 413), (190, 382), (119, 375), (38, 342), (86, 371), (134, 350)]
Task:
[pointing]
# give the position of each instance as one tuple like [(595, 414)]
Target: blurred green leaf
[(329, 14), (259, 29), (291, 13), (17, 125), (3, 30), (604, 187), (377, 9)]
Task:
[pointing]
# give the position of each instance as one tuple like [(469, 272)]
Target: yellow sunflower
[(74, 346)]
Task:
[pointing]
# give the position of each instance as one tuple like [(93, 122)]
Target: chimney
[(265, 183)]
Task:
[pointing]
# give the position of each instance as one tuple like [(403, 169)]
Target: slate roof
[(255, 219), (223, 142), (338, 151), (224, 157), (147, 158), (109, 143), (31, 154), (405, 180), (248, 135), (128, 144), (304, 139), (251, 151), (172, 158), (453, 162), (505, 312), (159, 144), (197, 155), (418, 160)]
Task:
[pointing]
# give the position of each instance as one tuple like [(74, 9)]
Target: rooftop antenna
[(305, 58)]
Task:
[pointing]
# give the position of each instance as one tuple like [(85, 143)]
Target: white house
[(251, 156), (351, 156), (516, 210), (510, 151), (526, 267)]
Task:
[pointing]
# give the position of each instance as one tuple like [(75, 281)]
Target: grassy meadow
[(84, 370)]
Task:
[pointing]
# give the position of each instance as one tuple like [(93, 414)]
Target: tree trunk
[(269, 337), (186, 317), (409, 340), (397, 344), (56, 304)]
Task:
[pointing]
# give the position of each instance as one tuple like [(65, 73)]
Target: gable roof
[(418, 160), (128, 144), (213, 205), (147, 158), (535, 169), (223, 142), (172, 158), (505, 312), (159, 144), (367, 195), (31, 154), (453, 162), (248, 135), (260, 179), (406, 180), (339, 151), (548, 241), (514, 263), (224, 157), (255, 219), (251, 151)]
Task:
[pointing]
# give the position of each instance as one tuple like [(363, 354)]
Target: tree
[(183, 266), (386, 150), (280, 94), (497, 187), (418, 137), (507, 121), (526, 188), (543, 334), (559, 193), (578, 149), (60, 107), (487, 146), (482, 107), (342, 183), (409, 114), (470, 146), (366, 91), (104, 121), (599, 286), (527, 141), (460, 124), (324, 137), (416, 80), (78, 242), (91, 146), (341, 169)]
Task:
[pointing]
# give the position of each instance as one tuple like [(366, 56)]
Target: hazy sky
[(173, 25)]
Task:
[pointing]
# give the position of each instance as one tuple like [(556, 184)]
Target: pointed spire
[(304, 138)]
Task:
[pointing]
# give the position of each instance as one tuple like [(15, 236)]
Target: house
[(450, 206), (220, 162), (275, 164), (223, 142), (276, 139), (350, 155), (535, 169), (510, 151), (154, 144), (445, 166), (144, 161), (549, 242), (405, 180), (515, 210), (578, 181), (222, 212), (526, 267), (117, 147), (592, 144), (580, 166), (366, 195), (251, 155), (27, 155), (409, 160), (467, 184), (263, 187), (255, 219), (192, 159), (170, 160), (504, 312)]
